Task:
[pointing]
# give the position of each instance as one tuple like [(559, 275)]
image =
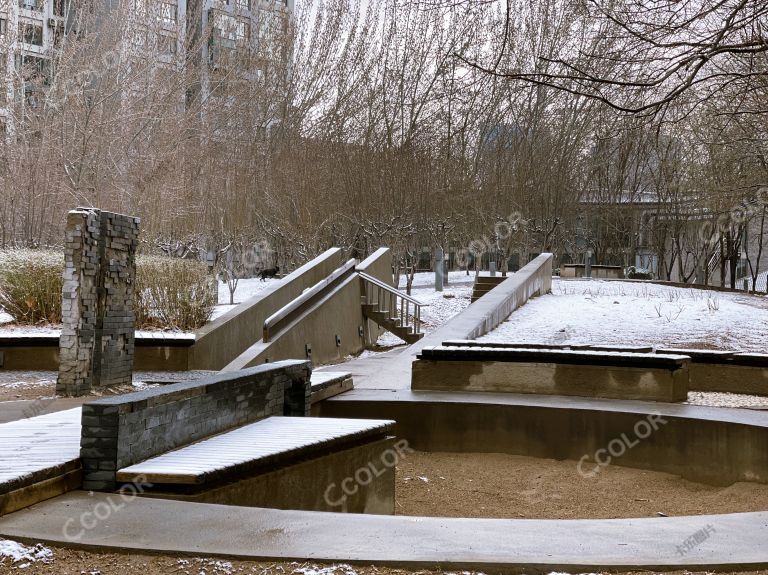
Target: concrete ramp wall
[(338, 313), (221, 341), (487, 313)]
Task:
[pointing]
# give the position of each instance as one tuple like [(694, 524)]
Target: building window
[(139, 39), (58, 35), (35, 5), (60, 7), (229, 32), (242, 33), (166, 44), (3, 27), (140, 8), (272, 25), (168, 13), (31, 34)]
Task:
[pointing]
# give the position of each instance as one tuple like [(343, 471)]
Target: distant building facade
[(31, 31)]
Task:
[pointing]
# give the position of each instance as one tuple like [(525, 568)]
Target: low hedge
[(171, 293), (31, 284)]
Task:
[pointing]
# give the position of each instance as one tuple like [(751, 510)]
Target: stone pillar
[(97, 338), (439, 269)]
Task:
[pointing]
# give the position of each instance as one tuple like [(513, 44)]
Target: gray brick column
[(97, 340)]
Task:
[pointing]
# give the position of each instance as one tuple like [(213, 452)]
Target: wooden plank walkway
[(257, 444), (38, 448)]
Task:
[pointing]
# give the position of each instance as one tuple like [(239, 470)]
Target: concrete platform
[(736, 541), (586, 373)]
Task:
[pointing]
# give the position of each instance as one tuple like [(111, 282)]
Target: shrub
[(31, 285), (172, 293), (634, 273)]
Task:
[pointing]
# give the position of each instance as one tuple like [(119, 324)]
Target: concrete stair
[(484, 284), (391, 324)]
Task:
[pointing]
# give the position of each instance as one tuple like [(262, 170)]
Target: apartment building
[(216, 30)]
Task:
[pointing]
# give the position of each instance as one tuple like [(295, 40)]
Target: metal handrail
[(389, 288), (394, 298), (288, 310)]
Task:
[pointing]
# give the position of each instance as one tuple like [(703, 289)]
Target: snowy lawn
[(246, 289), (427, 279), (615, 312)]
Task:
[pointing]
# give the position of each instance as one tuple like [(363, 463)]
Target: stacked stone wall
[(97, 340), (121, 430)]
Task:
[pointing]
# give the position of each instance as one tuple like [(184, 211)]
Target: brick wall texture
[(97, 340)]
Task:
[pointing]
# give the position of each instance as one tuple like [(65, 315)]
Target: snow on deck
[(615, 312), (262, 440), (32, 445)]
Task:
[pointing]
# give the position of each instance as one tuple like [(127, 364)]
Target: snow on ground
[(22, 556), (615, 312), (342, 569), (717, 399), (427, 279), (442, 307), (245, 290), (13, 382)]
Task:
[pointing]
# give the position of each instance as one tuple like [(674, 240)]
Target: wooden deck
[(38, 448), (327, 384), (266, 442)]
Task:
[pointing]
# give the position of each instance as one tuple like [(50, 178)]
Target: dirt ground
[(510, 486), (73, 562), (17, 385)]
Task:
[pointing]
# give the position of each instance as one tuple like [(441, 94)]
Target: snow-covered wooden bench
[(307, 463), (619, 375), (268, 443)]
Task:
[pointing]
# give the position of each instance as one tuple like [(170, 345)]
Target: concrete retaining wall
[(221, 341), (122, 430), (711, 445), (43, 354), (313, 484), (338, 313)]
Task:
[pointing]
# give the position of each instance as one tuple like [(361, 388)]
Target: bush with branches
[(31, 285)]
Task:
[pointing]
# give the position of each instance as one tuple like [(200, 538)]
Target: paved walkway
[(146, 524), (26, 408)]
